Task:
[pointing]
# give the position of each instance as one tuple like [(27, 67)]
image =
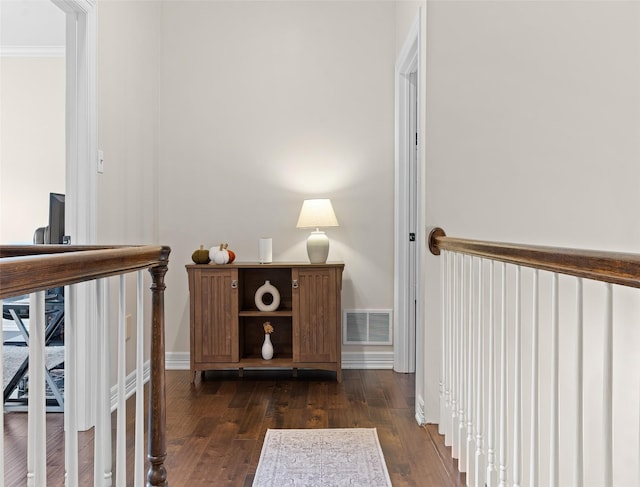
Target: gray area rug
[(14, 355), (322, 457)]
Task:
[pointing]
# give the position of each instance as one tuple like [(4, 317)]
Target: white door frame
[(408, 62), (81, 190)]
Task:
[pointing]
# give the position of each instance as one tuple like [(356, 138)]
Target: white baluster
[(121, 425), (443, 343), (517, 402), (471, 447), (36, 424), (492, 473), (480, 466), (462, 370), (70, 399), (462, 359), (578, 465), (502, 468), (98, 465), (455, 378), (554, 436), (139, 427), (102, 472), (449, 349), (479, 463), (533, 472), (450, 346), (607, 407)]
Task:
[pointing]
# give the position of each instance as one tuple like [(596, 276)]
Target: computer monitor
[(56, 219)]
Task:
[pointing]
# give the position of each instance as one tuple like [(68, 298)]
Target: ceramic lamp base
[(318, 247)]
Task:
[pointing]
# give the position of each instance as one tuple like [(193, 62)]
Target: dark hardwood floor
[(216, 427)]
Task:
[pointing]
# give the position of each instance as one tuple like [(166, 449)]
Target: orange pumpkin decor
[(232, 254)]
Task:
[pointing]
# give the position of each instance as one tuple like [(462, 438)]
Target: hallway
[(215, 428)]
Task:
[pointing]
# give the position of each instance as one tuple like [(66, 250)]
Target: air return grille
[(367, 327)]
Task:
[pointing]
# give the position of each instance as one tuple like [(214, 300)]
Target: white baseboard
[(367, 360), (177, 361), (420, 417), (130, 385), (350, 360)]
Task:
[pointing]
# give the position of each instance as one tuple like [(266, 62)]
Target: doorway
[(78, 173), (33, 167), (407, 207), (32, 40)]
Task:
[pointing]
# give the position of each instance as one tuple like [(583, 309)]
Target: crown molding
[(76, 6), (32, 51)]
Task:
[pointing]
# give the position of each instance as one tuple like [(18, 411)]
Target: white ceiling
[(31, 23)]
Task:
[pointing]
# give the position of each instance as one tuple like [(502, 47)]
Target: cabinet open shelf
[(227, 328), (257, 361), (251, 337), (265, 314)]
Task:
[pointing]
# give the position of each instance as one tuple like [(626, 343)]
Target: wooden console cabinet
[(227, 327)]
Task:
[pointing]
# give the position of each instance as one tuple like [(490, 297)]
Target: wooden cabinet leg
[(240, 372)]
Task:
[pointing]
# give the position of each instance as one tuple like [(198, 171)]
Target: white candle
[(265, 250)]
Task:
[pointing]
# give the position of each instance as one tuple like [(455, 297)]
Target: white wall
[(128, 72), (264, 104), (533, 135), (32, 143), (128, 64)]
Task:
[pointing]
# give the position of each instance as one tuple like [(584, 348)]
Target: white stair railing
[(103, 470), (118, 262), (514, 370)]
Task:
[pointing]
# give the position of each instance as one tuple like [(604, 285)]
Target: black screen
[(56, 218)]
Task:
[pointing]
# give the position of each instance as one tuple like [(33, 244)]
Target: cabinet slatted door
[(315, 338), (215, 337)]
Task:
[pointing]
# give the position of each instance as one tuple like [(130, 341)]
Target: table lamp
[(317, 213)]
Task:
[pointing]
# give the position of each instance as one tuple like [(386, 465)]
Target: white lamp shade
[(317, 213)]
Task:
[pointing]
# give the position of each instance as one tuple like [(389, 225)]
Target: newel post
[(434, 234), (157, 428)]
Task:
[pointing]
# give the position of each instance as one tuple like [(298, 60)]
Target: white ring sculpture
[(267, 288)]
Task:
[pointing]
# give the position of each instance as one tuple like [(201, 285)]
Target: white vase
[(267, 347), (267, 288)]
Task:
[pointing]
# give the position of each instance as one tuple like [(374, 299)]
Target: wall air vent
[(367, 327)]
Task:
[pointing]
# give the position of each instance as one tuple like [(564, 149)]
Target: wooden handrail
[(613, 267), (23, 250), (29, 268)]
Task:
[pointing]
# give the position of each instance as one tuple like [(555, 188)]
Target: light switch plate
[(100, 161)]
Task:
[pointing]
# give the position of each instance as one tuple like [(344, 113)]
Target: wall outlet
[(128, 322)]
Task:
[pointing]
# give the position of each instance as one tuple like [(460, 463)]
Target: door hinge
[(412, 237)]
